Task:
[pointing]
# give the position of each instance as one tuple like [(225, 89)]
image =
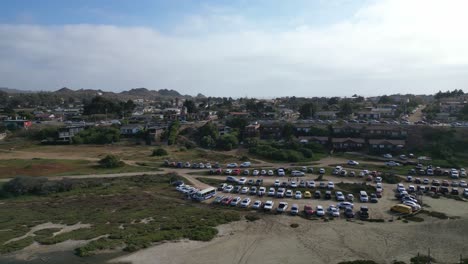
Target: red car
[(236, 172), (219, 171), (308, 210), (227, 200)]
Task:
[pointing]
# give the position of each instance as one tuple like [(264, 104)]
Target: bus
[(204, 194)]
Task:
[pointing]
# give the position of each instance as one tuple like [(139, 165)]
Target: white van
[(363, 197)]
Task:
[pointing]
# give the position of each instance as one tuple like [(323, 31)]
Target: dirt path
[(417, 115)]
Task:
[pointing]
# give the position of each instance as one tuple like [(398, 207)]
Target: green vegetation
[(288, 151), (97, 135), (53, 167), (207, 136), (111, 161), (132, 212), (422, 259), (101, 105), (159, 152), (414, 218), (435, 214), (252, 217), (294, 225), (172, 133)]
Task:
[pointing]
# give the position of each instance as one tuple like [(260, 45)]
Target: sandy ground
[(63, 229), (272, 240)]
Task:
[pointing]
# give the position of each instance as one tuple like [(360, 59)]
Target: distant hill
[(13, 91)]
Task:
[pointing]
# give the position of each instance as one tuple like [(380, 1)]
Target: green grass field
[(55, 167)]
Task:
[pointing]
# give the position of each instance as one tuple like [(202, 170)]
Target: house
[(44, 116), (302, 128), (348, 143), (317, 140), (271, 130), (155, 132), (451, 107), (385, 131), (130, 130), (68, 132), (223, 130), (326, 114), (348, 130), (368, 115), (386, 145), (252, 130), (12, 124)]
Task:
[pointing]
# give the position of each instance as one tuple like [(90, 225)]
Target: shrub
[(422, 259), (252, 217), (360, 261), (160, 152), (294, 225), (111, 161)]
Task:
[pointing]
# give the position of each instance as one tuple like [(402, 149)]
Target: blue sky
[(236, 48), (165, 15)]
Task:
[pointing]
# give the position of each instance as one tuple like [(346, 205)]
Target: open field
[(10, 168), (126, 213)]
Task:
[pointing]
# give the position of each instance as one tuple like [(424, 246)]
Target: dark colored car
[(455, 191), (328, 195), (317, 194), (373, 198), (364, 212), (349, 213)]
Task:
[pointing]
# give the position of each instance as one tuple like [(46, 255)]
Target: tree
[(333, 101), (227, 142), (308, 110), (346, 109), (111, 161), (160, 152), (385, 99), (191, 107), (173, 132)]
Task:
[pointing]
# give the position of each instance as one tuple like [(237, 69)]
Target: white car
[(378, 179), (331, 185), (271, 191), (208, 166), (263, 172), (242, 181), (277, 183), (268, 205), (311, 184), (282, 207), (296, 173), (343, 205), (319, 211), (333, 211), (245, 203), (244, 190), (261, 191), (255, 173), (235, 201), (392, 163), (232, 165), (281, 172), (298, 195), (352, 162), (270, 173), (412, 204), (339, 196), (289, 194), (257, 204), (293, 184), (228, 189), (280, 193), (388, 156), (245, 164), (463, 184), (321, 171)]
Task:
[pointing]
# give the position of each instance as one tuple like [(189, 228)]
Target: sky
[(243, 48)]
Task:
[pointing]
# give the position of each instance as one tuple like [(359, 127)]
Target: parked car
[(282, 207), (294, 209), (235, 201), (311, 184), (255, 173), (232, 165), (388, 156), (331, 185), (289, 194), (257, 204), (333, 211), (253, 190), (321, 171), (317, 194), (373, 198), (268, 205), (339, 196), (271, 191), (228, 189), (222, 186), (245, 202), (319, 211), (277, 183), (392, 163), (298, 195), (280, 193), (296, 173), (270, 173), (350, 197), (244, 190), (245, 164), (308, 210), (261, 191), (349, 213), (328, 195), (237, 189), (242, 180), (353, 162), (307, 194), (364, 212)]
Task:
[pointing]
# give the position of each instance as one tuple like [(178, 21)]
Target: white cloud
[(387, 47)]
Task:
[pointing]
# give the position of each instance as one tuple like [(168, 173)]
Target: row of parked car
[(283, 207), (437, 171), (437, 187)]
